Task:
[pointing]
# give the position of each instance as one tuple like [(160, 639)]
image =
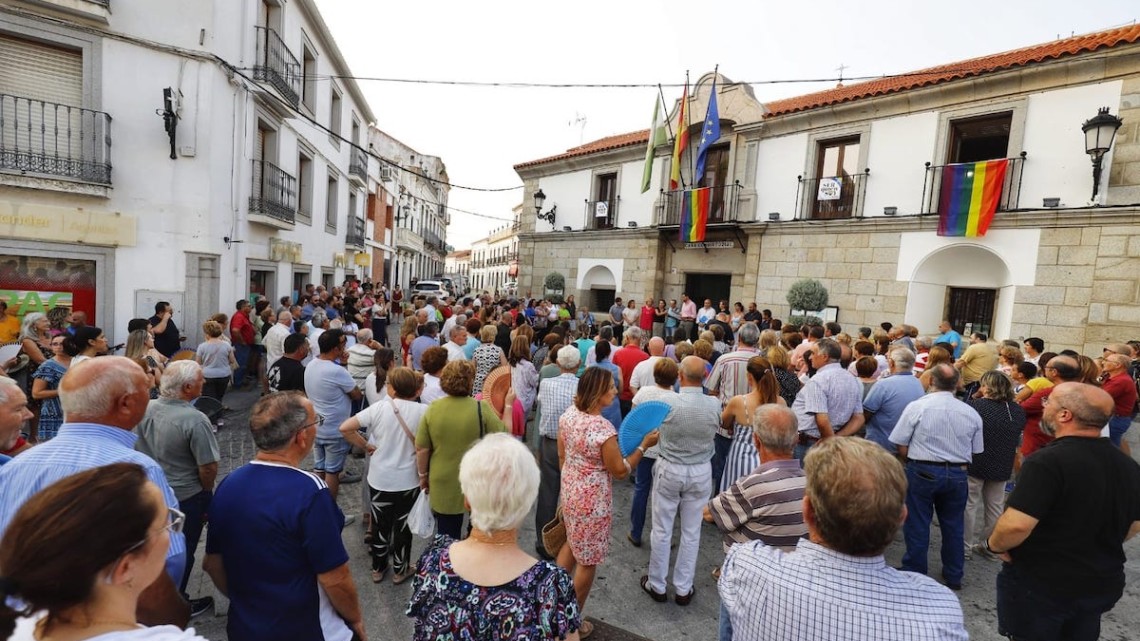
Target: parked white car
[(426, 288)]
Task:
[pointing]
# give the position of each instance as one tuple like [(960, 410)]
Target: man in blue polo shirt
[(273, 545), (950, 336), (890, 395)]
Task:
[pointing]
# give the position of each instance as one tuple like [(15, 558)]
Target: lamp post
[(1100, 131), (539, 200)]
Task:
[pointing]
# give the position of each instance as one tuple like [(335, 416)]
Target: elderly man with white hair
[(181, 440), (13, 413), (102, 399), (555, 395), (274, 340), (457, 343)]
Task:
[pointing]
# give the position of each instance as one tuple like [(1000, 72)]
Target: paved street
[(617, 599)]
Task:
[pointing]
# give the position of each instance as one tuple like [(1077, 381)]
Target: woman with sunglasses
[(48, 592)]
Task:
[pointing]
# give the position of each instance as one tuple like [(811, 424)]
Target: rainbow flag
[(969, 197), (695, 214)]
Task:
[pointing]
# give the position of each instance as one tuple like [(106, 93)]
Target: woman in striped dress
[(742, 457)]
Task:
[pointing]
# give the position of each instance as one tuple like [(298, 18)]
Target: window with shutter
[(41, 72)]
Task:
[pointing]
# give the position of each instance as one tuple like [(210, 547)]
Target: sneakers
[(349, 478), (201, 606), (348, 520)]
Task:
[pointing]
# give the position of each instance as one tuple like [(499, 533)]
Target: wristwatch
[(987, 548)]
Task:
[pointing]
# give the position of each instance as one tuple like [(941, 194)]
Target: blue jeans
[(721, 445), (942, 489), (1026, 612), (725, 625), (241, 355), (1117, 426), (195, 509), (642, 486)]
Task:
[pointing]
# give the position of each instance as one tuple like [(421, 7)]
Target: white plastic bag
[(420, 520)]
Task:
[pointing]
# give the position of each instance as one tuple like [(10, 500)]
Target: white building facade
[(844, 186), (495, 258), (260, 187)]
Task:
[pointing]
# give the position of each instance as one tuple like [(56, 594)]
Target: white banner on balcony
[(829, 188), (601, 209)]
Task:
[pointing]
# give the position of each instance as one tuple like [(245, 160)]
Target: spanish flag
[(695, 214), (969, 197), (680, 142)]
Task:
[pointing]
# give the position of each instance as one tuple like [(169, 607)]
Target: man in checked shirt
[(837, 585)]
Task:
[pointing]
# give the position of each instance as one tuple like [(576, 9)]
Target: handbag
[(554, 534), (403, 425), (479, 411)]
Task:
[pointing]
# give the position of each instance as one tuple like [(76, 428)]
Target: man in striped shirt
[(938, 436), (853, 504), (766, 505)]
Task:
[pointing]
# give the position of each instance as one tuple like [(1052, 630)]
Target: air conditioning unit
[(387, 173)]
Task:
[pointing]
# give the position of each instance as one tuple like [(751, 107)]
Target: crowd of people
[(807, 447)]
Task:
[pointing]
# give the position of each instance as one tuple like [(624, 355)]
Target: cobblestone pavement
[(616, 598)]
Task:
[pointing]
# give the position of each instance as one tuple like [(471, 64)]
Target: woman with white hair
[(35, 342), (486, 586)]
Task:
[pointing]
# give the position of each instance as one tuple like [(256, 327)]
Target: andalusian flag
[(680, 142), (657, 137), (695, 214), (969, 197)]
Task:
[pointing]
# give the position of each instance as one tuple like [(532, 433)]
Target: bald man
[(1062, 533), (103, 399), (643, 372), (682, 483)]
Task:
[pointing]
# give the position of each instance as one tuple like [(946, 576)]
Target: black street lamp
[(539, 200), (1100, 131)]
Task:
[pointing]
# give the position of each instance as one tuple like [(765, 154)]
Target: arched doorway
[(970, 285), (597, 289)]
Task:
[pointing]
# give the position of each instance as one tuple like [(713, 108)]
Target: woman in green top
[(448, 428)]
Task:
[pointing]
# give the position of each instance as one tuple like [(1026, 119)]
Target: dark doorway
[(971, 310), (715, 287), (600, 302), (983, 138)]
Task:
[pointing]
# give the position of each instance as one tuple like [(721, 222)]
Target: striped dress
[(743, 458)]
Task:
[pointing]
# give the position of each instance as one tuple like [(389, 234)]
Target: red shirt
[(627, 358), (1123, 391), (1034, 439), (241, 329), (646, 318)]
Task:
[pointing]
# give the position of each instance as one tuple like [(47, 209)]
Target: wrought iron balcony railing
[(602, 214), (355, 235), (724, 206), (277, 66), (49, 139), (358, 164), (831, 196), (274, 192), (1010, 187)]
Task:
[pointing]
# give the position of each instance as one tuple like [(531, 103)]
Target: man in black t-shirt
[(288, 372), (167, 339), (1061, 536)]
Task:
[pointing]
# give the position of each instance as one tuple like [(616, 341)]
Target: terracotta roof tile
[(604, 144), (963, 69), (913, 80)]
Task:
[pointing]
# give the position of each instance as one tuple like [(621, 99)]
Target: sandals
[(398, 578), (585, 630), (378, 575)]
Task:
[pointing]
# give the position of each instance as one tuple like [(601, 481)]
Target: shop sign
[(712, 244), (66, 224)]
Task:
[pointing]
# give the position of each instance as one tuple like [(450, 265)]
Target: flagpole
[(668, 120), (688, 125)]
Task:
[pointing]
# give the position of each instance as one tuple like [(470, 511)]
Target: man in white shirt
[(455, 346), (642, 375), (457, 318), (706, 314), (275, 338)]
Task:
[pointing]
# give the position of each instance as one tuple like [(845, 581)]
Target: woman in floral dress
[(45, 389), (590, 457)]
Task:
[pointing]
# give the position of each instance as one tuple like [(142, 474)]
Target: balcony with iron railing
[(274, 195), (277, 66), (356, 233), (46, 139), (724, 206), (602, 214), (358, 166), (937, 179), (829, 197)]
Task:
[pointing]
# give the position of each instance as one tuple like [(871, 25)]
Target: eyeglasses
[(177, 520), (1046, 401), (319, 422)]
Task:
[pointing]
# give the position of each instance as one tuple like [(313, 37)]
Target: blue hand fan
[(644, 418)]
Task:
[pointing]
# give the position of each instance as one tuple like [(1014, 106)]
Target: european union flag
[(710, 133)]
